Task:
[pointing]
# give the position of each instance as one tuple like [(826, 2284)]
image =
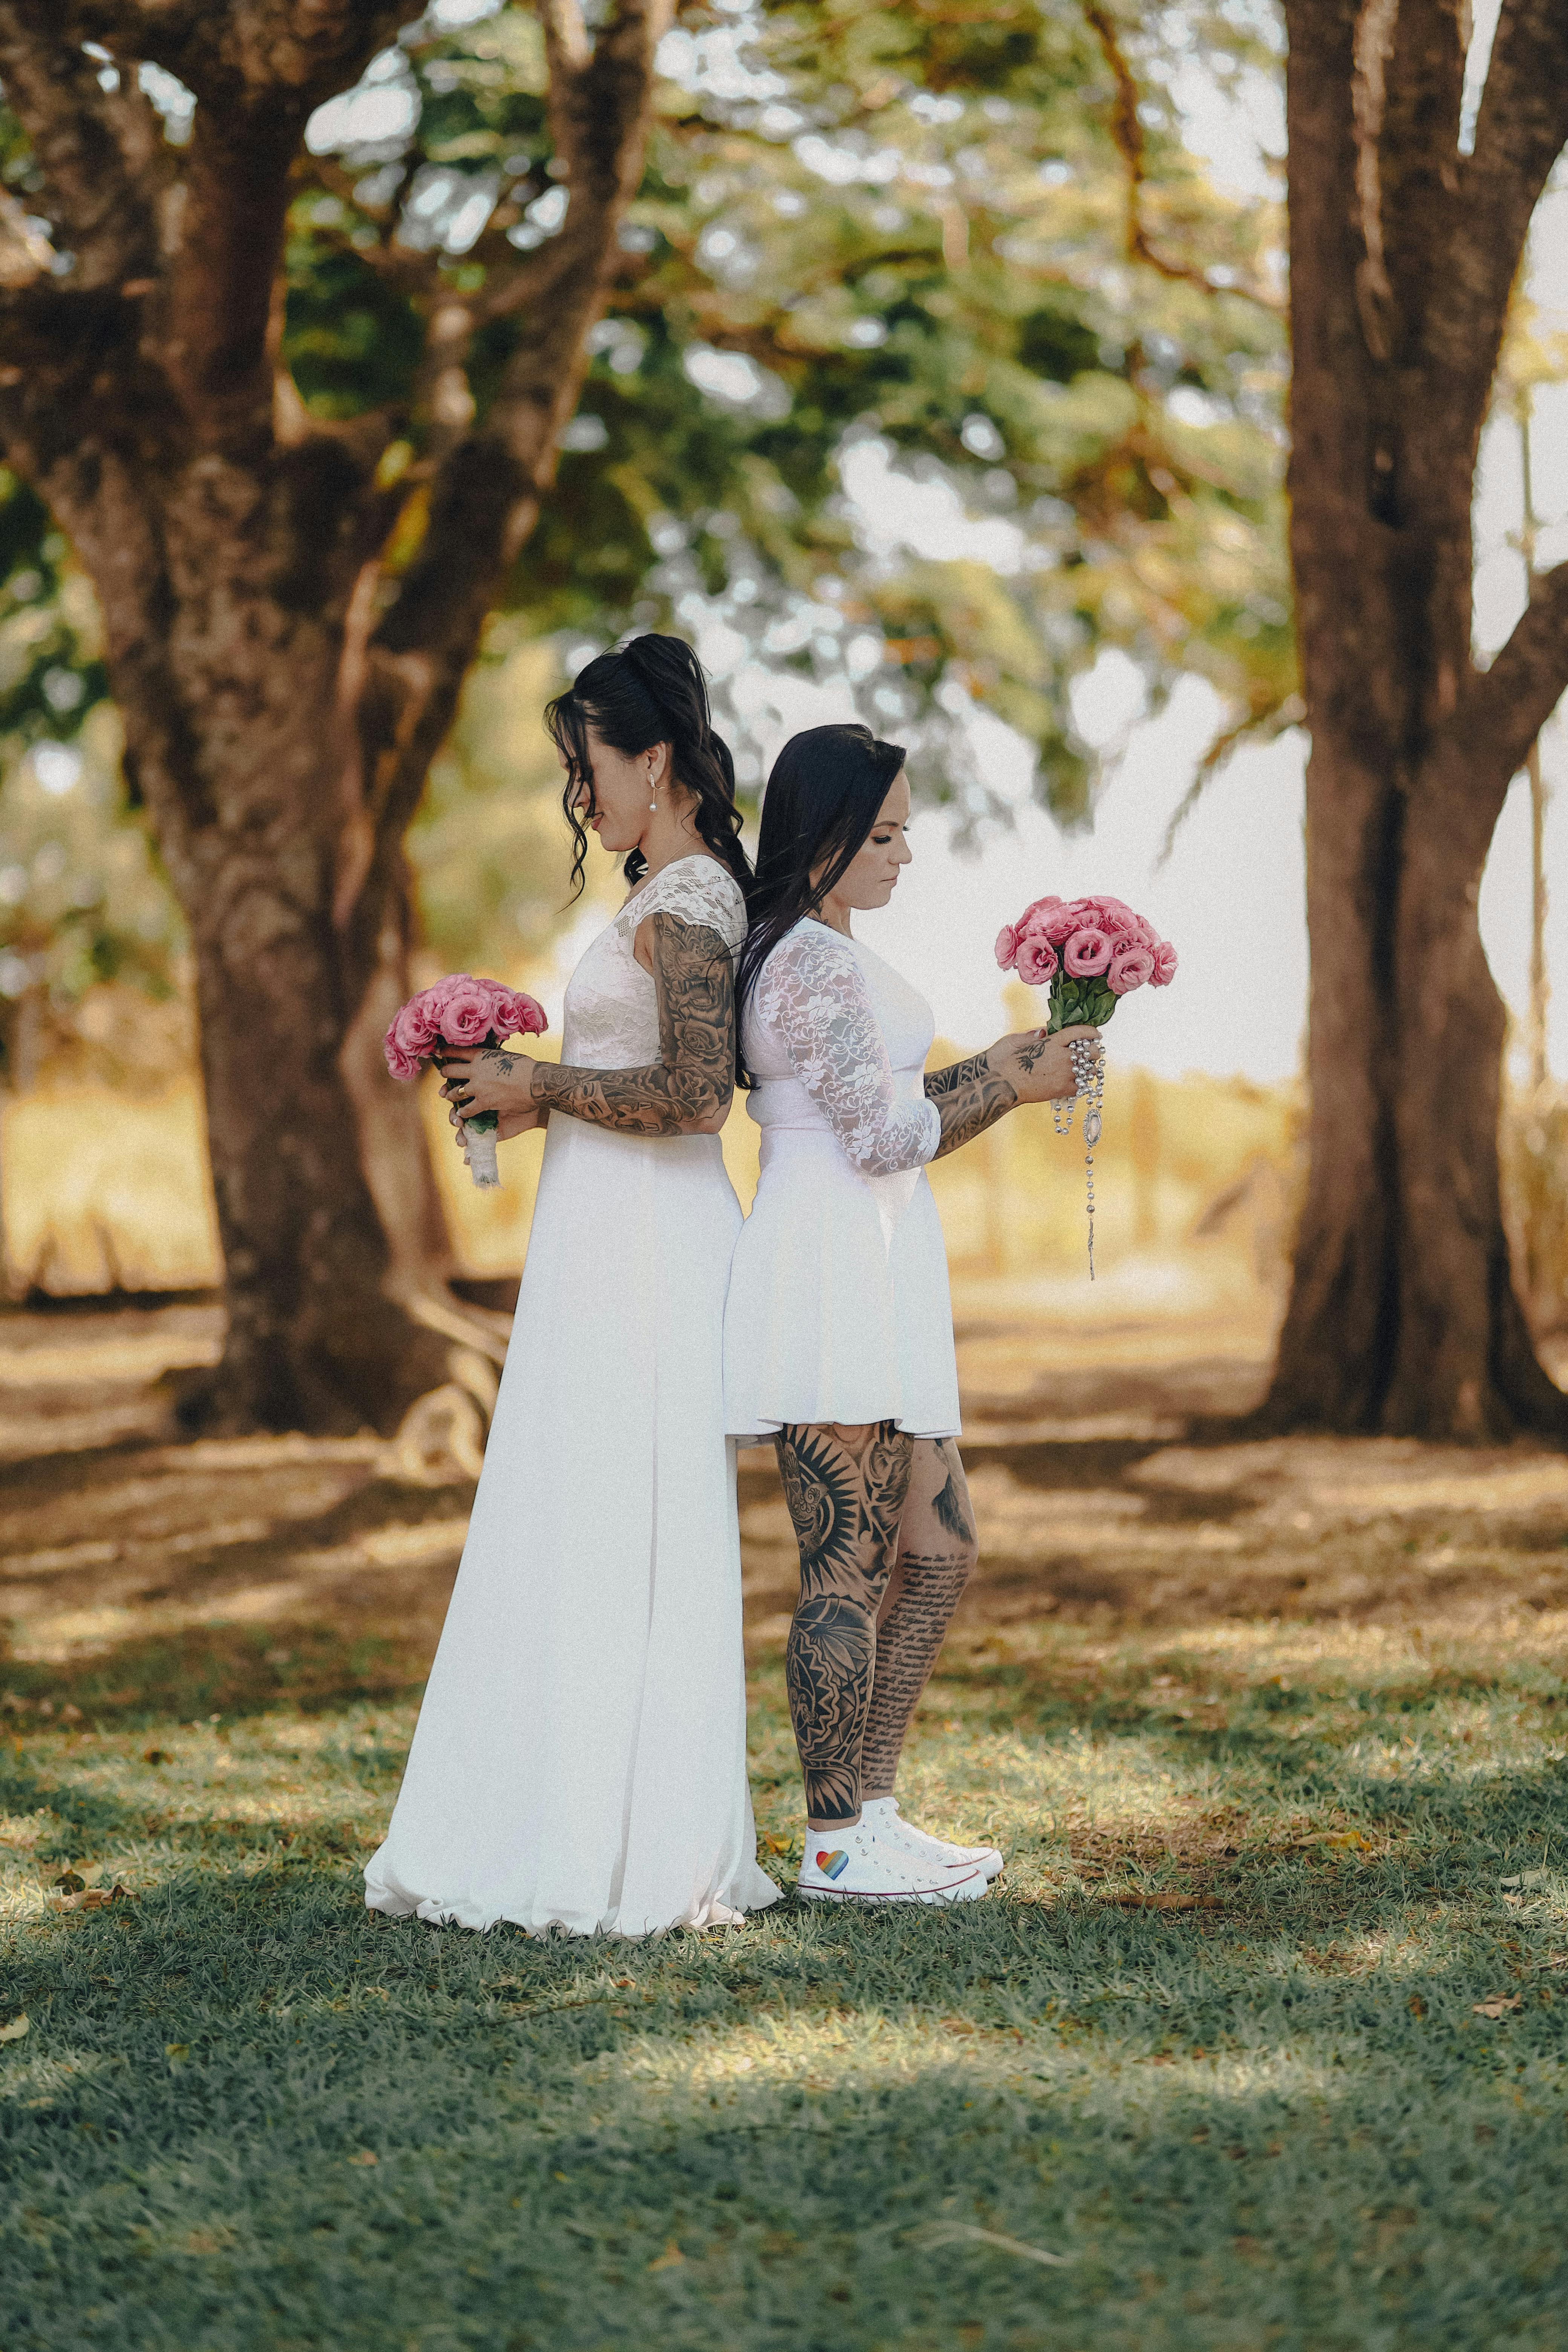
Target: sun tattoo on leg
[(846, 1490)]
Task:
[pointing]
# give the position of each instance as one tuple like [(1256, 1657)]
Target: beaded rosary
[(1088, 1070)]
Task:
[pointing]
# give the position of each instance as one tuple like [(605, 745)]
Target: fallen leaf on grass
[(1498, 2004), (669, 2259), (176, 2053), (959, 2025), (775, 1845), (1161, 1902), (156, 1756), (15, 2030), (365, 2156), (92, 1898), (946, 2233), (70, 1884)]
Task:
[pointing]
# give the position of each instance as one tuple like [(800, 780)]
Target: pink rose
[(1087, 951), (1006, 946), (468, 1011), (1115, 916), (418, 1025), (518, 1014), (1164, 970), (1131, 966), (1048, 919), (1037, 962), (399, 1060)]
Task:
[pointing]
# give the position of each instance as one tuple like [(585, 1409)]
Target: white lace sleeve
[(700, 890), (813, 994)]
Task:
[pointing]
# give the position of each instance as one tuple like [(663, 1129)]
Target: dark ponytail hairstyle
[(651, 691), (822, 799)]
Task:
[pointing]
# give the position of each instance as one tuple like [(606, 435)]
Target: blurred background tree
[(878, 244), (1421, 143)]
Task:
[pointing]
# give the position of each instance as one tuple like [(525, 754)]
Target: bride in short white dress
[(838, 1305), (580, 1759)]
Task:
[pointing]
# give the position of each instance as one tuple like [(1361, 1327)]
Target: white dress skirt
[(580, 1759), (839, 1306)]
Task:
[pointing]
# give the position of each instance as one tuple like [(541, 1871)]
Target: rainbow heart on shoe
[(830, 1865)]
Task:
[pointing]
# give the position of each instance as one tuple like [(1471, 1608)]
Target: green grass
[(245, 2115)]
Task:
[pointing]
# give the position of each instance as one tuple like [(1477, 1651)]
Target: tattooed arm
[(685, 1092), (972, 1095)]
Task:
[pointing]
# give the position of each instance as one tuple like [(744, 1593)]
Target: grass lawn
[(1264, 2040)]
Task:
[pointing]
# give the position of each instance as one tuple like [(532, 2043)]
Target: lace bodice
[(834, 1036), (612, 1013)]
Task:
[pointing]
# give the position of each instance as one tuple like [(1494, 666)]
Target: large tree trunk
[(1403, 1313), (315, 1340), (284, 684)]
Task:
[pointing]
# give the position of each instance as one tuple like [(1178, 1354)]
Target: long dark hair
[(822, 799), (651, 691)]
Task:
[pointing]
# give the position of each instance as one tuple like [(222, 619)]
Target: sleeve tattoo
[(688, 1089), (970, 1097)]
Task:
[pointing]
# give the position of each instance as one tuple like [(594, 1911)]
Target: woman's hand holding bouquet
[(1039, 1067), (1093, 952), (459, 1025)]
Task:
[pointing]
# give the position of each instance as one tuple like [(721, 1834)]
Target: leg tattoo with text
[(936, 1557), (846, 1490)]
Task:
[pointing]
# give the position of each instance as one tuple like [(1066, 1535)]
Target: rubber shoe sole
[(968, 1889)]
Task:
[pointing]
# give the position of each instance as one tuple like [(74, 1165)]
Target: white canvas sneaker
[(853, 1866), (891, 1828)]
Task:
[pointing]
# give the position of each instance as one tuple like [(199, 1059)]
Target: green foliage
[(83, 903), (873, 224), (877, 250), (487, 844), (51, 664)]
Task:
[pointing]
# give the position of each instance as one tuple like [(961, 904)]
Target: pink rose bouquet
[(464, 1013), (1093, 952)]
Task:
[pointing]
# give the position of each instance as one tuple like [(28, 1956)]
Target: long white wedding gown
[(580, 1759)]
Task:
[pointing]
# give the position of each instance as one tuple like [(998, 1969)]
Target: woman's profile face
[(615, 805), (872, 874)]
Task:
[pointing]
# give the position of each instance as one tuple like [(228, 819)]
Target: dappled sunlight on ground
[(1260, 2041)]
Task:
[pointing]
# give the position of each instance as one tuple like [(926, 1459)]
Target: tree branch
[(1127, 132), (101, 151), (486, 494), (258, 69), (1522, 130), (1506, 706), (1417, 148)]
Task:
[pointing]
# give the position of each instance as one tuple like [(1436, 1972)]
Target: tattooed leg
[(846, 1489), (937, 1551)]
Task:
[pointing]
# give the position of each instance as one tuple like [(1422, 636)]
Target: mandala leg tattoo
[(937, 1551), (847, 1490)]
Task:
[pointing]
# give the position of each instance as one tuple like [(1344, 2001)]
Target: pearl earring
[(653, 789)]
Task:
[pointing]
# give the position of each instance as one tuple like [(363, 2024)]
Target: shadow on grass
[(223, 1669), (249, 2116)]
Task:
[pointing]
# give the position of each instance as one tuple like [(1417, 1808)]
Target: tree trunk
[(1403, 1314), (315, 1340), (286, 631), (393, 1149)]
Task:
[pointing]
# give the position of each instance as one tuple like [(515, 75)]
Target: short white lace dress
[(580, 1759), (839, 1306)]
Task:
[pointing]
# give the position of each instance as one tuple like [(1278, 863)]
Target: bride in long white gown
[(580, 1759)]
